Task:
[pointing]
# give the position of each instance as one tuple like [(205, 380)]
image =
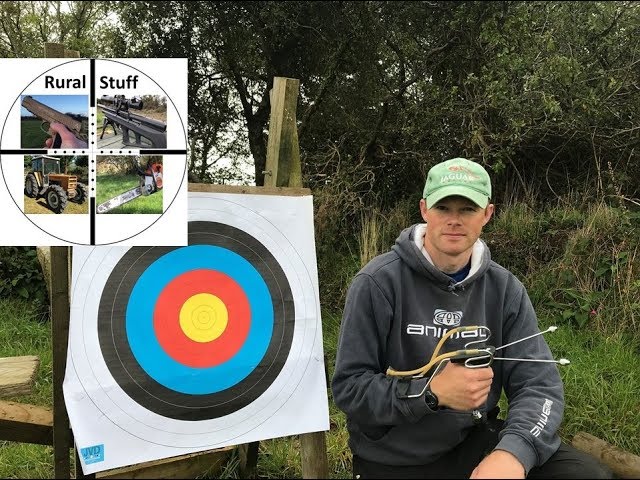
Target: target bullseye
[(177, 334), (203, 317)]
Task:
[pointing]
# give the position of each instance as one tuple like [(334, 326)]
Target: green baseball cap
[(457, 176)]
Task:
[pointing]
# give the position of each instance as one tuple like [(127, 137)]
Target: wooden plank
[(185, 466), (112, 141), (623, 464), (17, 375), (283, 153), (60, 337), (242, 189), (21, 422)]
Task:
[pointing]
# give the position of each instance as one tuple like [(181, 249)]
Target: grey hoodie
[(398, 307)]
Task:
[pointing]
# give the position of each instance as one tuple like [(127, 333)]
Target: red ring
[(166, 318)]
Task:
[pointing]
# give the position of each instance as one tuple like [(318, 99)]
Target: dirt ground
[(32, 206)]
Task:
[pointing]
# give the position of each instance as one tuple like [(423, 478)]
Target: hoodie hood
[(409, 247)]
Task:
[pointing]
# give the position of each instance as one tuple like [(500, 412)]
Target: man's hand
[(462, 388), (499, 464), (69, 140)]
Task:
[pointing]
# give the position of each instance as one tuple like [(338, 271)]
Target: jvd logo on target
[(93, 454)]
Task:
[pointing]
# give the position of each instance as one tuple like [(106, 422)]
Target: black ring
[(164, 401)]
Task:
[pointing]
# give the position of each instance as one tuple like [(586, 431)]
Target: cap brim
[(456, 190)]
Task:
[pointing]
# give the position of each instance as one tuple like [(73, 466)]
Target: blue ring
[(150, 354)]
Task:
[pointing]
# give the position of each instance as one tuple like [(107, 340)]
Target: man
[(439, 276)]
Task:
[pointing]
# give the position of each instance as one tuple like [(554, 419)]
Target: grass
[(602, 396), (31, 134), (602, 391), (110, 186)]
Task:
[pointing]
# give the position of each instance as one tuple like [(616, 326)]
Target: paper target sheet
[(174, 350)]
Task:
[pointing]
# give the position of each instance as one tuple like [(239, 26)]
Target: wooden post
[(248, 457), (54, 50), (283, 153), (624, 464), (60, 337), (59, 282), (57, 50), (284, 169)]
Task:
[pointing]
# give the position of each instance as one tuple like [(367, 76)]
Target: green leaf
[(23, 292), (582, 318)]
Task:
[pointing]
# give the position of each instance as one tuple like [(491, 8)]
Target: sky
[(77, 104)]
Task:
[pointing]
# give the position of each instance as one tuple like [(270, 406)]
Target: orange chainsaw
[(150, 182)]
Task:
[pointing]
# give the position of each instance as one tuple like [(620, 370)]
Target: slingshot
[(472, 358)]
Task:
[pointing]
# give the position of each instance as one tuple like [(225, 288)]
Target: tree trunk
[(258, 147)]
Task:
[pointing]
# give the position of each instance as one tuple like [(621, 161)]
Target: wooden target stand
[(38, 425)]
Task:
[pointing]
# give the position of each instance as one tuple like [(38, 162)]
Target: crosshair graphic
[(196, 346), (92, 228)]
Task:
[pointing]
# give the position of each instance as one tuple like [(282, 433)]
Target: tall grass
[(580, 262), (379, 230), (370, 237)]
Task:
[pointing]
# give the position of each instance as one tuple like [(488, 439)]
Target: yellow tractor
[(45, 181)]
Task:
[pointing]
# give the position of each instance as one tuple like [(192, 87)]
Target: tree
[(26, 26), (542, 93)]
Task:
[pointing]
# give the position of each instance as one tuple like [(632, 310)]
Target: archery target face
[(196, 346)]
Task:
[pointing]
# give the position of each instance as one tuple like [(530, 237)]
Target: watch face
[(431, 399)]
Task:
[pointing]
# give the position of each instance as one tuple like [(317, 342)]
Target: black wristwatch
[(430, 399)]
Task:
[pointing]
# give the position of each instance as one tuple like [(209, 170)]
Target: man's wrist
[(509, 457), (519, 448)]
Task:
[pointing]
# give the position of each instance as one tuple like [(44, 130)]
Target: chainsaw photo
[(150, 182)]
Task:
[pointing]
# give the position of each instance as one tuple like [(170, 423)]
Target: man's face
[(453, 225)]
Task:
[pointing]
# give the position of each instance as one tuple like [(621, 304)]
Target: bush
[(580, 265), (21, 276)]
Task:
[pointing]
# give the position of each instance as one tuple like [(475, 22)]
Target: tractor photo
[(45, 181)]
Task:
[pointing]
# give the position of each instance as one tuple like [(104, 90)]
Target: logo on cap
[(458, 177)]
